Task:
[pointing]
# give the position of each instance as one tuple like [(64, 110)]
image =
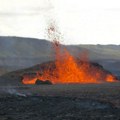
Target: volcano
[(94, 73), (48, 72), (67, 69)]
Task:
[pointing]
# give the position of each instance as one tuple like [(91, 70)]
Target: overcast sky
[(79, 21)]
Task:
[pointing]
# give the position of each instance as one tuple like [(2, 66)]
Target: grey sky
[(80, 21)]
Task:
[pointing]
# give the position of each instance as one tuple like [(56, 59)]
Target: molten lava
[(67, 69)]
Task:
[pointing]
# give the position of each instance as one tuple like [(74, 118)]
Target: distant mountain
[(17, 47), (100, 51), (19, 52)]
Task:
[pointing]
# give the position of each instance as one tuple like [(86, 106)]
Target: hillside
[(103, 51), (19, 52)]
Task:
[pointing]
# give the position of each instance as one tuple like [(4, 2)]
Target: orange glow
[(29, 80), (110, 78), (67, 69)]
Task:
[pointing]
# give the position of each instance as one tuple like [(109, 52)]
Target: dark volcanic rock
[(56, 108), (40, 82)]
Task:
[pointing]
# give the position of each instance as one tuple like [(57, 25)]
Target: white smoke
[(13, 91)]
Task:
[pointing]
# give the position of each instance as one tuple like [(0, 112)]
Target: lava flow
[(67, 69)]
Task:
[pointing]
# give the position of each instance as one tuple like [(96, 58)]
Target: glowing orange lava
[(68, 69)]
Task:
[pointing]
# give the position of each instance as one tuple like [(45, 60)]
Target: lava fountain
[(66, 69)]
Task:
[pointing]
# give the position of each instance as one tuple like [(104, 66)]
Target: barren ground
[(60, 102)]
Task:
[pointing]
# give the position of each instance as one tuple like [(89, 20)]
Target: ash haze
[(79, 21)]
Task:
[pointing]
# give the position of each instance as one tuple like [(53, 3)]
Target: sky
[(79, 21)]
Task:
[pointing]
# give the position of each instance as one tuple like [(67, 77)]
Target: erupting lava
[(67, 69)]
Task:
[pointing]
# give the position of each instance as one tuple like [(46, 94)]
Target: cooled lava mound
[(67, 69), (82, 72), (35, 74)]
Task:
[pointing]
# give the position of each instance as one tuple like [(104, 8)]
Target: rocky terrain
[(60, 102), (55, 108)]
